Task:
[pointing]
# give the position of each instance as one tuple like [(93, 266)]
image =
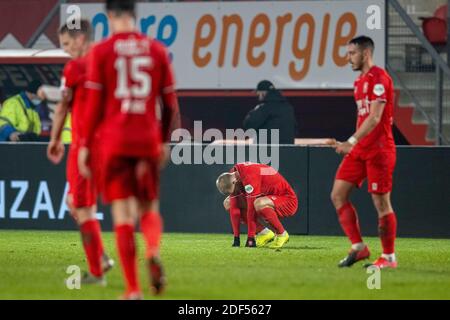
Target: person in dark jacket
[(273, 112), (2, 97)]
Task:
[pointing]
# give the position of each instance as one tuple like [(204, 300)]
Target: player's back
[(263, 178), (131, 66)]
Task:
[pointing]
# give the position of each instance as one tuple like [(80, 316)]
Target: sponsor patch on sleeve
[(378, 89), (248, 188)]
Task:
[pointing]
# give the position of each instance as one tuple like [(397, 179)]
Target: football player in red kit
[(369, 153), (127, 74), (82, 196), (257, 191)]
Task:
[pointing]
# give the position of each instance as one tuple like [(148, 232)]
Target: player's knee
[(84, 214), (149, 206), (338, 198), (261, 203), (381, 204)]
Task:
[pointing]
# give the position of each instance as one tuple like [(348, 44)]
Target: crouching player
[(258, 192)]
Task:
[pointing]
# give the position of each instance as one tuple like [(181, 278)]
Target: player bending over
[(257, 191), (369, 153), (127, 73), (82, 195)]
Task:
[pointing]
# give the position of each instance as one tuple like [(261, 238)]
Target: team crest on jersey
[(378, 89), (248, 188), (366, 86)]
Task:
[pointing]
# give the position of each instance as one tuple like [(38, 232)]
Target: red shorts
[(285, 206), (82, 191), (378, 169), (124, 177)]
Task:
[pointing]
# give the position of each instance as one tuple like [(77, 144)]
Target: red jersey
[(375, 85), (126, 74), (74, 75), (257, 180)]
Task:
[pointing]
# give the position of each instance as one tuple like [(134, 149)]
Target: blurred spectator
[(19, 118), (273, 112), (2, 97)]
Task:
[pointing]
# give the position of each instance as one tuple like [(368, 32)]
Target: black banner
[(32, 191)]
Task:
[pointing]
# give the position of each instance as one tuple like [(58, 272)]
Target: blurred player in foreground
[(369, 153), (82, 195), (257, 191), (127, 73)]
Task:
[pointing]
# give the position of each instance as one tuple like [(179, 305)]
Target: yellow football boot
[(262, 240), (279, 241)]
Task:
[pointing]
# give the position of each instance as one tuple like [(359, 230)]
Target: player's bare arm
[(226, 203), (83, 160), (52, 93), (170, 121), (376, 112), (55, 149)]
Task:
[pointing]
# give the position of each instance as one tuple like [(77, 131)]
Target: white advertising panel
[(234, 45)]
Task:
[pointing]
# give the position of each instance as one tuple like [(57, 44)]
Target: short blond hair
[(225, 182)]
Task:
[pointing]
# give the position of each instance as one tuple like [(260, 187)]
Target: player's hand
[(251, 243), (343, 148), (164, 157), (331, 142), (237, 242), (15, 136), (55, 151), (83, 159)]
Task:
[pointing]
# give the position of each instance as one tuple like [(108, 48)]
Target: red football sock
[(151, 227), (348, 218), (259, 227), (235, 217), (93, 246), (387, 229), (272, 218), (127, 252), (243, 217)]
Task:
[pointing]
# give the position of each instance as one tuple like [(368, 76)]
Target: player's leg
[(380, 171), (387, 230), (83, 216), (237, 208), (152, 229), (118, 187), (83, 197), (261, 229), (350, 174), (347, 215), (265, 208), (147, 178), (231, 205), (284, 206), (125, 214), (92, 244)]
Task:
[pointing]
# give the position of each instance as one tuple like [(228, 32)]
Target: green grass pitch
[(205, 266)]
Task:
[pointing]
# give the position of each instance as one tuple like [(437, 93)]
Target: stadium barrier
[(32, 192)]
